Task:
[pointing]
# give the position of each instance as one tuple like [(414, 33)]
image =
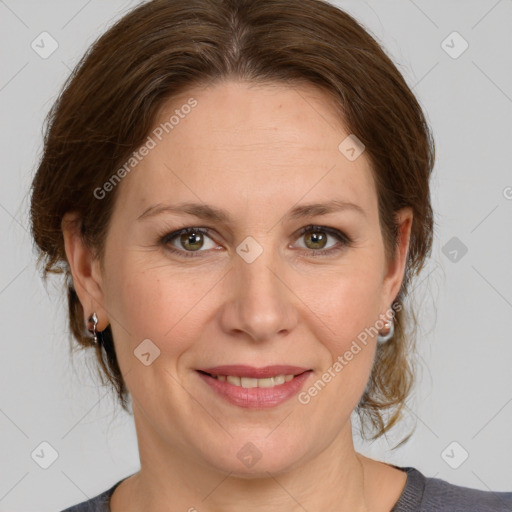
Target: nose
[(260, 304)]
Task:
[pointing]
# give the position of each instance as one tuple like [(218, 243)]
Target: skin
[(256, 151)]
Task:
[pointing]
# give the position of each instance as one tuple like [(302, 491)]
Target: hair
[(161, 48)]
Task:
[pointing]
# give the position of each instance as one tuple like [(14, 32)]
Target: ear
[(85, 270), (395, 268)]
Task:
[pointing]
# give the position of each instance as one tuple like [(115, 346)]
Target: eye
[(190, 240), (315, 238)]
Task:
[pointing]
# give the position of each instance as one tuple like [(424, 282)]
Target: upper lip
[(241, 370)]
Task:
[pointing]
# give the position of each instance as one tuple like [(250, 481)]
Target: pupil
[(317, 238), (191, 239)]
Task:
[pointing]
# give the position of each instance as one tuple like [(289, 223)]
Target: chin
[(256, 459)]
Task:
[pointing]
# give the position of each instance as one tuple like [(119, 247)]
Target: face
[(259, 280)]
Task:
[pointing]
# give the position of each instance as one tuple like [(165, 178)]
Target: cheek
[(345, 303), (350, 307), (172, 306), (157, 303)]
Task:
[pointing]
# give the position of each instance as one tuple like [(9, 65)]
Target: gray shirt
[(420, 494)]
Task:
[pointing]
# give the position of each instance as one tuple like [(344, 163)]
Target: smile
[(250, 391)]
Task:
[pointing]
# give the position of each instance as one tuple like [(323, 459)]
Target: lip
[(256, 398), (241, 370)]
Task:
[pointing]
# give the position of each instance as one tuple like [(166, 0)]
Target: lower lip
[(256, 398)]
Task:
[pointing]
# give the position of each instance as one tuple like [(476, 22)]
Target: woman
[(238, 194)]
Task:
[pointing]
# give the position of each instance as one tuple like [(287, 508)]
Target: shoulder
[(99, 503), (441, 495), (425, 494)]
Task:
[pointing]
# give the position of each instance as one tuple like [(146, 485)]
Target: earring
[(94, 320), (388, 334)]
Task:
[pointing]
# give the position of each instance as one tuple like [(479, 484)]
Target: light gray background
[(464, 390)]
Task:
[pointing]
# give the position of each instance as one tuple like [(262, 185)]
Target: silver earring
[(94, 320), (390, 328)]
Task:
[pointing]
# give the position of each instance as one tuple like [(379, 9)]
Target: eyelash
[(342, 238)]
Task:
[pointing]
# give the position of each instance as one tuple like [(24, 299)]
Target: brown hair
[(109, 104)]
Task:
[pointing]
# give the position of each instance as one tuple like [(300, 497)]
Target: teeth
[(233, 380), (270, 382), (250, 382)]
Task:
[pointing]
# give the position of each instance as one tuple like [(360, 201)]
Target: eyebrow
[(211, 213)]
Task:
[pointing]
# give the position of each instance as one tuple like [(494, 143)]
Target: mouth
[(247, 386)]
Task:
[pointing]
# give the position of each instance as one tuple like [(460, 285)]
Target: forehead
[(252, 141)]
